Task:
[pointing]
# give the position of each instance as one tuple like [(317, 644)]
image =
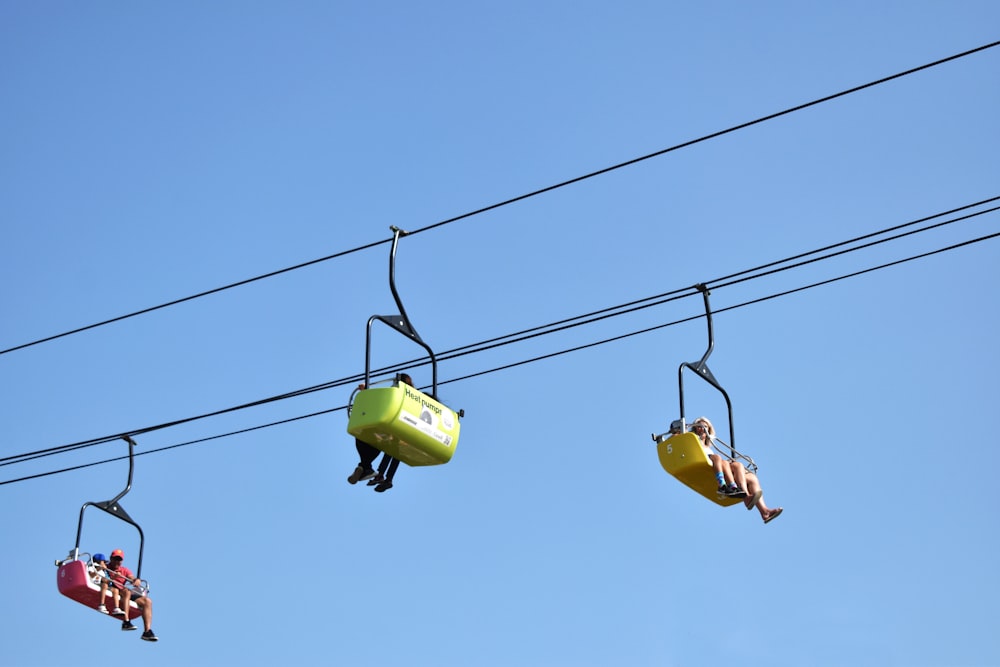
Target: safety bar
[(733, 455)]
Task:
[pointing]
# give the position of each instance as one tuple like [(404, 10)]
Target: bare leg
[(146, 605), (719, 465), (739, 474), (755, 494), (767, 513)]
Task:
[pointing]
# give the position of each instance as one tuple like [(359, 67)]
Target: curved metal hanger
[(114, 508), (400, 322), (700, 368)]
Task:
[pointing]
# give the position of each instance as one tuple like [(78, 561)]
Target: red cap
[(118, 552)]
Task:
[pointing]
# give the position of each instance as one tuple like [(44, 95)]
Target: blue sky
[(155, 151)]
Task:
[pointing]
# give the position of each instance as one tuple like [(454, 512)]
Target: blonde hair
[(711, 429)]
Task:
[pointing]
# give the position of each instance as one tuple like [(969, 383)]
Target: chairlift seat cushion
[(684, 457), (405, 423), (76, 583)]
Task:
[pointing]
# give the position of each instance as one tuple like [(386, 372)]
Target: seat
[(684, 457), (77, 583)]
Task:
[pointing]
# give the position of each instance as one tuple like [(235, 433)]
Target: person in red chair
[(100, 569), (120, 575)]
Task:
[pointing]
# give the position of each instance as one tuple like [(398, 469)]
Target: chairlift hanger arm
[(131, 468), (701, 369), (711, 332), (394, 322), (113, 508), (405, 324), (401, 322)]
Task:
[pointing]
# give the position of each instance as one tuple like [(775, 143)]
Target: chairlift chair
[(681, 452), (77, 577), (402, 421)]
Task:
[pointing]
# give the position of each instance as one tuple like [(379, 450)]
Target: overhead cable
[(519, 198), (493, 370), (534, 332), (551, 355)]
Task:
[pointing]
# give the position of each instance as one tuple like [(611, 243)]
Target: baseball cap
[(118, 552), (98, 557)]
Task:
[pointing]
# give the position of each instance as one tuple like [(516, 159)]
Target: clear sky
[(153, 151)]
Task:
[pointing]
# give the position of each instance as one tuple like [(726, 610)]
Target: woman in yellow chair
[(734, 480)]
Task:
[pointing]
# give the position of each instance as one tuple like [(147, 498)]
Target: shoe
[(377, 479), (383, 486), (101, 608), (774, 515), (733, 491), (360, 474), (126, 625), (117, 612), (149, 636), (723, 491)]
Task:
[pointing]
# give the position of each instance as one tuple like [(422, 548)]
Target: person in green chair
[(382, 479)]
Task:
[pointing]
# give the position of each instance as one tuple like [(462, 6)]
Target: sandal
[(774, 514)]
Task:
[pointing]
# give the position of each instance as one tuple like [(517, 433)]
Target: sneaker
[(117, 612), (733, 491), (101, 608), (360, 474), (377, 479), (383, 486), (723, 491), (149, 636), (126, 625)]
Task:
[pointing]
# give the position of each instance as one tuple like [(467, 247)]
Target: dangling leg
[(383, 465), (754, 492), (126, 597), (116, 601), (104, 592), (730, 488), (739, 489), (366, 454), (766, 513), (146, 605), (723, 473), (390, 472)]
